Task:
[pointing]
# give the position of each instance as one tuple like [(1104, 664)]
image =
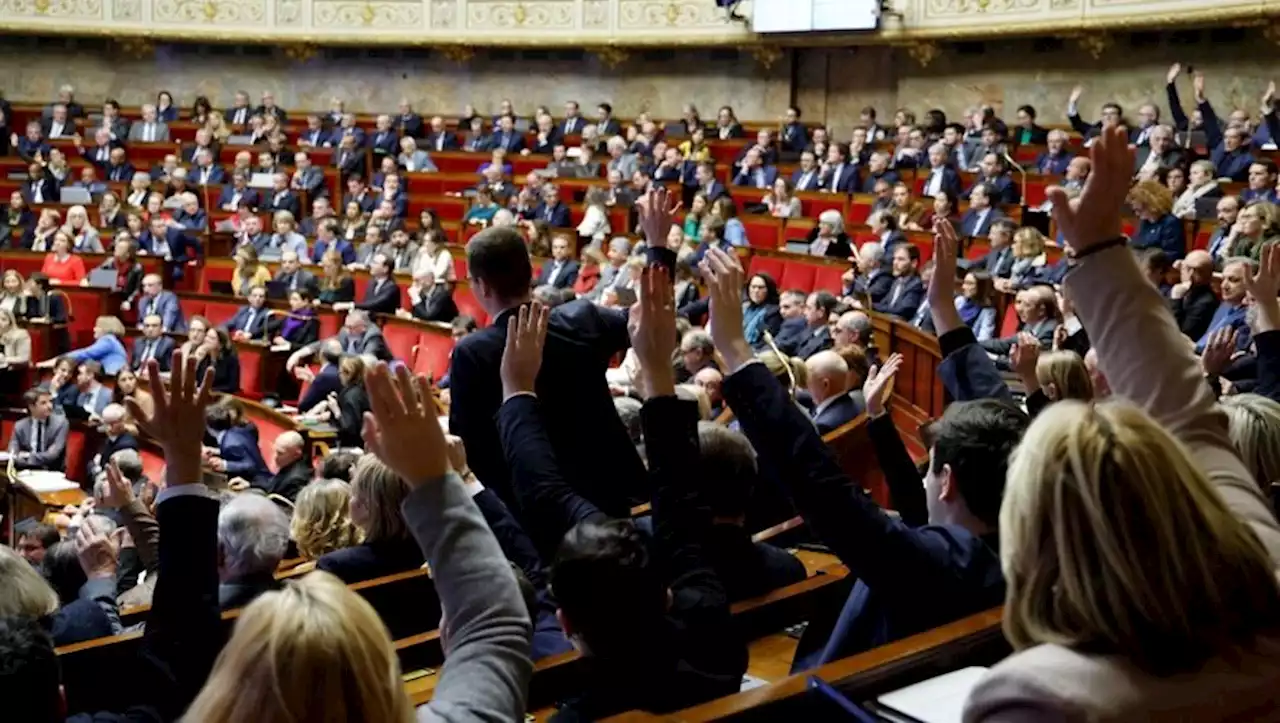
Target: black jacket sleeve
[(1268, 345), (900, 473)]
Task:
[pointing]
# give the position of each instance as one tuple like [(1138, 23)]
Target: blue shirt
[(1227, 315), (107, 351)]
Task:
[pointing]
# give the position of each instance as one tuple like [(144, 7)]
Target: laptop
[(102, 278), (262, 180), (241, 140), (74, 195), (221, 287), (277, 290)]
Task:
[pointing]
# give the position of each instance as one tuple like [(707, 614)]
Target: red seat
[(401, 339), (761, 264), (1009, 325), (467, 304), (763, 232), (797, 230), (797, 275), (251, 359), (434, 351), (827, 278), (219, 311), (76, 460)]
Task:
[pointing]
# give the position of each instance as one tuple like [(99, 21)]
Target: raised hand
[(402, 429), (942, 287), (656, 210), (1023, 357), (177, 422), (1094, 216), (1218, 350), (98, 553), (522, 358), (723, 275), (1197, 83), (877, 381), (1268, 97), (1076, 92), (1264, 287), (1174, 71), (117, 492), (652, 325)]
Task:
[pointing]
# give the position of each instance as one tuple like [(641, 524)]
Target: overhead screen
[(802, 16)]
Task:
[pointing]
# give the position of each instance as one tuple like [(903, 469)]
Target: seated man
[(39, 440), (293, 467), (562, 271), (294, 277), (998, 260), (993, 173), (35, 541), (117, 438), (1232, 311), (816, 337), (358, 336), (153, 344), (978, 219), (1192, 299), (250, 321), (252, 537), (873, 279), (237, 454), (155, 300), (429, 301), (906, 291), (551, 210), (91, 396), (324, 382), (791, 308), (1037, 308), (727, 470), (382, 295), (828, 384)]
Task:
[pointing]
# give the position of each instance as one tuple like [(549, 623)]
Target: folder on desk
[(937, 700)]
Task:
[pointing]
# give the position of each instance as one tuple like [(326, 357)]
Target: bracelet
[(1103, 246)]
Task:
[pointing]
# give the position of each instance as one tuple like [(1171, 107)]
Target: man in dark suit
[(838, 174), (155, 300), (39, 440), (828, 385), (1228, 209), (153, 344), (606, 124), (1160, 152), (556, 214), (978, 219), (238, 115), (31, 144), (816, 337), (359, 192), (383, 141), (440, 138), (315, 136), (349, 158), (907, 289), (562, 271), (382, 295), (1037, 309), (99, 154), (117, 438), (118, 168), (1054, 160), (253, 536), (795, 137), (40, 187), (583, 337), (573, 122), (872, 280), (878, 170), (506, 137), (238, 192), (294, 277), (206, 172), (994, 175), (808, 177), (237, 453), (942, 177), (280, 198), (1027, 132), (358, 335), (269, 108), (408, 123), (59, 124), (1193, 299), (705, 176), (792, 332), (293, 468), (998, 260), (324, 382), (250, 320), (754, 173)]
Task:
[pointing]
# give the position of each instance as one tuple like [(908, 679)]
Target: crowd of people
[(1102, 472)]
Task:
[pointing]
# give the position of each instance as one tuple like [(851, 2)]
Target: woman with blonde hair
[(1201, 183), (594, 228), (84, 237), (1062, 375), (15, 342), (1028, 255), (11, 296), (1256, 226), (107, 348), (321, 520), (217, 126), (286, 237), (26, 594), (1253, 421), (336, 284), (1138, 553), (249, 271), (40, 236), (387, 547), (1152, 203)]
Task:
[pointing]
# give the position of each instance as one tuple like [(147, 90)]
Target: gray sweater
[(486, 626)]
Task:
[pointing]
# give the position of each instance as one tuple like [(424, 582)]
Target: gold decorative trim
[(766, 55), (1095, 44), (923, 53), (612, 57)]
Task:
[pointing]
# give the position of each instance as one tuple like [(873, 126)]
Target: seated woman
[(429, 301), (346, 409), (829, 238), (1201, 183), (321, 521), (27, 594), (780, 201), (128, 388), (285, 238), (699, 208), (735, 234), (760, 310), (249, 271), (17, 218), (977, 304), (300, 326), (336, 284), (61, 264), (107, 348), (1152, 203), (353, 222), (482, 208), (376, 495), (111, 215), (84, 237), (12, 298), (124, 261), (944, 208), (219, 354), (15, 351)]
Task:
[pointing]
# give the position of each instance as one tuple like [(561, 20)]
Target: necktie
[(248, 324), (39, 437), (148, 134), (148, 350)]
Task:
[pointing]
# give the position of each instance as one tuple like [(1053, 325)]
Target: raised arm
[(900, 473), (486, 625), (1212, 127), (1180, 120), (1145, 357), (1073, 112), (1263, 288)]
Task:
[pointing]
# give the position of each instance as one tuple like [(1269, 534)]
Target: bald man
[(828, 385), (1192, 298), (293, 466), (711, 380), (118, 438)]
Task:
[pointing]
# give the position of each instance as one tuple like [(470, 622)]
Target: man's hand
[(656, 210), (723, 274), (117, 492), (877, 382), (1268, 97), (1264, 286), (1218, 350), (1197, 83), (522, 357), (942, 287), (457, 454), (1174, 71), (98, 553), (402, 430), (238, 484), (1076, 92), (1093, 217), (652, 324), (1023, 357), (178, 420)]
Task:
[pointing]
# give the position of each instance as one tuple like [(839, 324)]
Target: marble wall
[(830, 85)]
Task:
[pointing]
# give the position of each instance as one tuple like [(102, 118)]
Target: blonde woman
[(11, 296), (15, 342), (1201, 184), (249, 271), (1138, 553), (1152, 203), (26, 594), (1028, 255), (217, 126), (1253, 421), (1062, 375), (322, 519), (387, 548), (594, 228), (139, 190), (84, 237), (1256, 226), (41, 235)]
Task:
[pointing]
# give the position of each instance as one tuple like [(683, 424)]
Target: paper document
[(937, 700)]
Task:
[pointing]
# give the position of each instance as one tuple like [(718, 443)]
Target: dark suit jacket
[(409, 125), (997, 262), (248, 195), (163, 352), (239, 449), (289, 481), (813, 342), (349, 163), (876, 286), (1195, 310), (325, 383), (813, 183), (581, 340), (749, 569), (1036, 135), (869, 185), (568, 274), (557, 217), (304, 280), (255, 331), (69, 128), (286, 201), (950, 180), (1003, 190), (846, 183), (48, 190), (969, 225), (512, 142), (909, 291), (52, 454), (436, 306), (442, 141), (166, 306), (372, 559), (790, 334), (384, 300)]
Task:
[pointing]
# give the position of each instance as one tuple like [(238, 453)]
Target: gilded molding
[(591, 23), (612, 57), (1095, 44), (923, 53), (766, 55)]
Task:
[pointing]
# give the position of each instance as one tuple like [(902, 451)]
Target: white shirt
[(933, 186), (148, 132)]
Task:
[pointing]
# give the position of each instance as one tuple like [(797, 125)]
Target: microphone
[(786, 363)]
